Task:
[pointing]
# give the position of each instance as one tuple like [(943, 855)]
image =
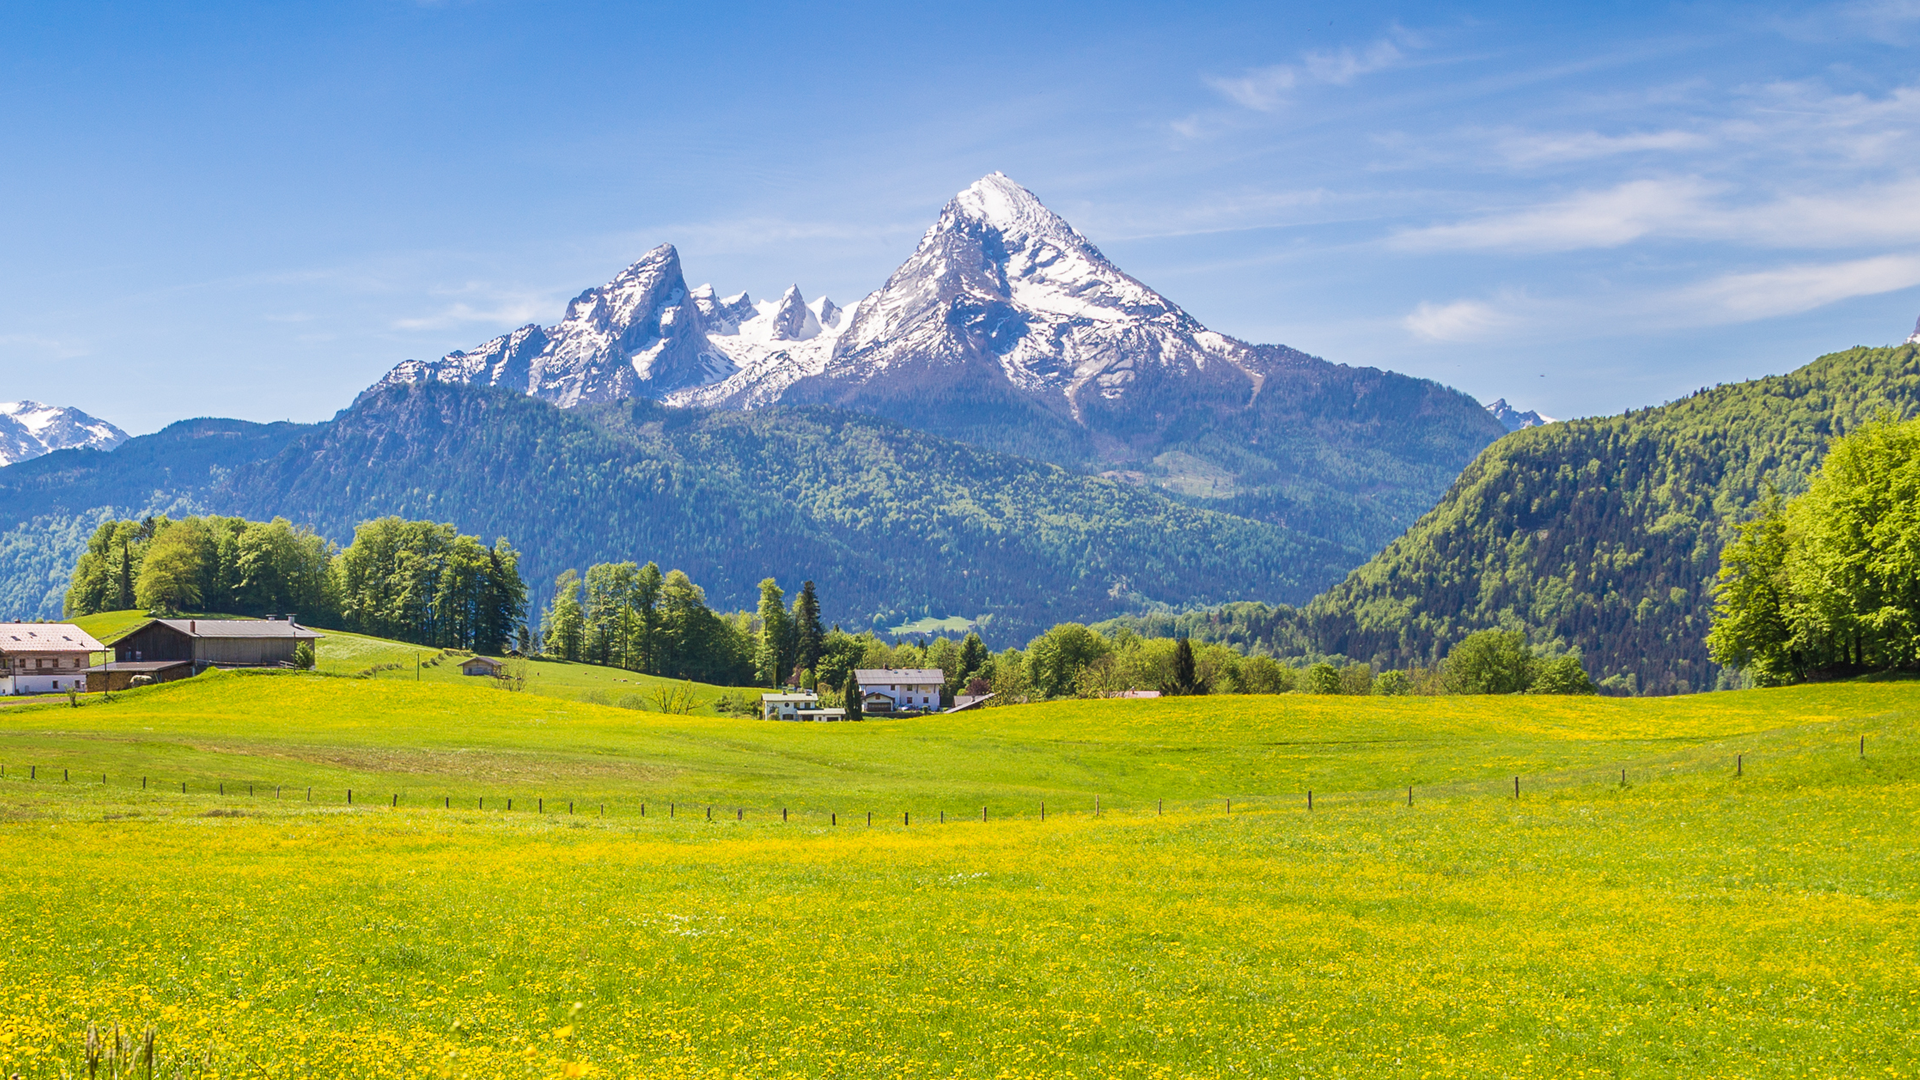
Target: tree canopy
[(1828, 583)]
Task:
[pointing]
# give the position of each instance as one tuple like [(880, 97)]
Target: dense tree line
[(1599, 536), (413, 581), (1828, 583), (891, 524), (222, 564)]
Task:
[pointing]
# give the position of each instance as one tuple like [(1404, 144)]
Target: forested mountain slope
[(1604, 534), (891, 523)]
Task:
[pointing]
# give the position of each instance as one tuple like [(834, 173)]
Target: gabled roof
[(238, 628), (909, 676), (46, 637)]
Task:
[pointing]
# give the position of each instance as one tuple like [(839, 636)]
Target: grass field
[(343, 653), (1689, 922)]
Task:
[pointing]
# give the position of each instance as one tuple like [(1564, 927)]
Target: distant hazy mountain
[(29, 429), (1009, 330), (1513, 419)]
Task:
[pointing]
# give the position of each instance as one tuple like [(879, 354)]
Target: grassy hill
[(373, 658), (1689, 921)]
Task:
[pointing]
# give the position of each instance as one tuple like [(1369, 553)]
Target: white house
[(44, 658), (797, 706), (900, 689), (787, 706)]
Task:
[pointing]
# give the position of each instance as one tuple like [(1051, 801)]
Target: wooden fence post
[(1516, 787), (1309, 800), (1409, 795)]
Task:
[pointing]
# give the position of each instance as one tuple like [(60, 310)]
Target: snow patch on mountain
[(782, 342), (29, 429), (1513, 419), (1001, 291)]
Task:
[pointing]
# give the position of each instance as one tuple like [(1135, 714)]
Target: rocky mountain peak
[(792, 319), (1914, 338), (29, 429), (1513, 419)]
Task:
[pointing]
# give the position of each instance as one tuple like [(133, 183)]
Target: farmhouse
[(214, 642), (797, 706), (481, 665), (891, 690), (44, 658)]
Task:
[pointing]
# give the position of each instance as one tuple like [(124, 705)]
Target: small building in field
[(45, 658), (481, 665), (117, 677), (787, 706), (215, 642), (900, 690)]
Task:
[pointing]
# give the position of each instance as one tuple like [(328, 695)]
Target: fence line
[(1732, 763)]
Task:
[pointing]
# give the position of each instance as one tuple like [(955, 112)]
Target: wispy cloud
[(512, 310), (1789, 290), (1527, 148), (1463, 320), (1591, 219), (1268, 88), (1687, 208)]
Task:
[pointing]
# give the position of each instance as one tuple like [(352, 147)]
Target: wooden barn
[(215, 642)]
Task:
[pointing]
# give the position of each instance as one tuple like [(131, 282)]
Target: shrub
[(1392, 684), (1490, 662), (1561, 675), (1321, 678)]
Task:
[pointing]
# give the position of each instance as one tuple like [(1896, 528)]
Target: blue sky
[(255, 211)]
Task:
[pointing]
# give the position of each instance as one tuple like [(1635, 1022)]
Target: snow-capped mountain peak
[(29, 429), (1001, 295), (1513, 419), (1914, 338)]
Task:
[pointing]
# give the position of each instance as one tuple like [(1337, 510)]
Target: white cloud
[(1263, 89), (1553, 148), (1267, 89), (1591, 219), (517, 311), (1687, 208), (1789, 290), (1461, 320)]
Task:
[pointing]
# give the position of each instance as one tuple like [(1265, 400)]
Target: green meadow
[(361, 656), (1743, 901)]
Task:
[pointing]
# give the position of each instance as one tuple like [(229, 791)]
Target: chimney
[(292, 619)]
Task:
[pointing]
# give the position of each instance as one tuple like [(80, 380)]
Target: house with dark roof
[(214, 643)]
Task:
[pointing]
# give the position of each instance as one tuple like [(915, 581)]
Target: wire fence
[(1739, 759)]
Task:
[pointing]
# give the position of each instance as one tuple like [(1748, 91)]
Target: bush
[(1392, 684), (1321, 678), (1490, 662), (1356, 679), (1561, 675), (303, 656), (1265, 675)]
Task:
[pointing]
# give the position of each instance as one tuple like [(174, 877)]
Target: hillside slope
[(889, 522), (1605, 534)]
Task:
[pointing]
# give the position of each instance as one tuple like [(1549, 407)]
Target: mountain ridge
[(892, 523), (1008, 329), (29, 430)]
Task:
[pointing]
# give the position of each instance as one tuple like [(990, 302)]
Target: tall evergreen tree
[(561, 629), (808, 631), (773, 652)]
